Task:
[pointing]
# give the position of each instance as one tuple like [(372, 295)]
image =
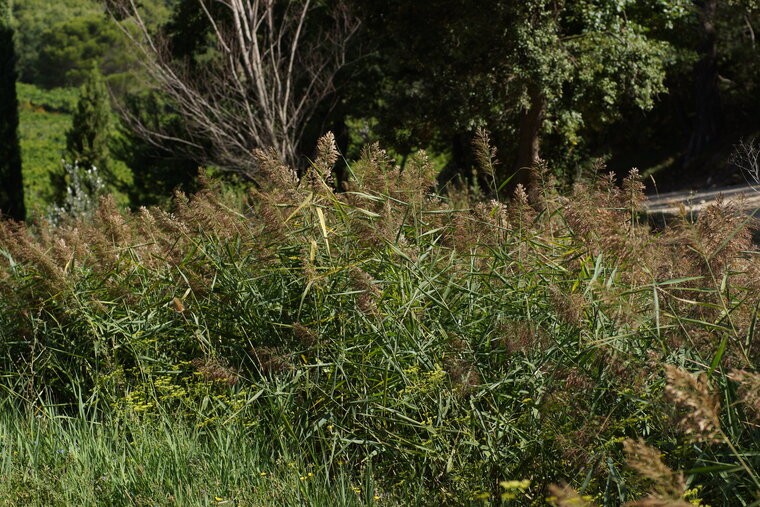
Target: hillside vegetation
[(44, 118), (381, 346)]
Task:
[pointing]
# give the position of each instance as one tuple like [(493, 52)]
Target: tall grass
[(419, 348), (82, 459)]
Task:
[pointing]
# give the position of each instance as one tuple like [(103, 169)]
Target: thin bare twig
[(272, 72)]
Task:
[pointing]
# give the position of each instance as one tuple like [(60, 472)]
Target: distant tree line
[(560, 80), (671, 84)]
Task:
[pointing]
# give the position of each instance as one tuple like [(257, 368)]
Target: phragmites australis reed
[(566, 496), (458, 340), (749, 390), (369, 294), (216, 370), (485, 155), (320, 171), (305, 335), (667, 487), (700, 408)]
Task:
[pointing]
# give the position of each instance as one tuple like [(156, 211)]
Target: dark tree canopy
[(158, 170), (11, 183), (669, 85), (524, 70)]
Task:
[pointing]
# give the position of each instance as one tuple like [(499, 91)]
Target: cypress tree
[(11, 180), (87, 139)]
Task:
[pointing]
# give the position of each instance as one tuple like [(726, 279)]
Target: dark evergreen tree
[(11, 180), (87, 140)]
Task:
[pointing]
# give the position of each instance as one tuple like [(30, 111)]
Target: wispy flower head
[(749, 390), (668, 487), (691, 394)]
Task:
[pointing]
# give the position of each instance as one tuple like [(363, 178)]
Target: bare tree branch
[(271, 73), (746, 156)]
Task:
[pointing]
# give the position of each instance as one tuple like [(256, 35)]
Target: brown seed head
[(668, 487), (701, 408)]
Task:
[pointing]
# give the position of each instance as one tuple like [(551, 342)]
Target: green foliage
[(32, 18), (59, 41), (43, 142), (11, 182), (69, 49), (81, 197), (442, 77), (659, 139), (157, 171), (424, 349), (301, 346), (57, 100), (87, 140), (45, 116), (52, 458)]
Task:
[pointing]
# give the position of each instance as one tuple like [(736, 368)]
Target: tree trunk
[(708, 118), (457, 170), (11, 183), (529, 145)]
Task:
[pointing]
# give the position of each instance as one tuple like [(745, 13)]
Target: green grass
[(422, 349), (55, 459)]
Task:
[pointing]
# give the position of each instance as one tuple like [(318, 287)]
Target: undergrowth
[(381, 344)]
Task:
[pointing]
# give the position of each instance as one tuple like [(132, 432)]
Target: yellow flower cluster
[(425, 382)]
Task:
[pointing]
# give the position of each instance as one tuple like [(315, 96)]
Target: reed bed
[(381, 344)]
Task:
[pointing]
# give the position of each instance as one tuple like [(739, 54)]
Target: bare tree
[(746, 156), (270, 73)]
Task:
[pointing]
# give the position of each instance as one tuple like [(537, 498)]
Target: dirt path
[(695, 201)]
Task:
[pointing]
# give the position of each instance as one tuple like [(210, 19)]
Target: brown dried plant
[(491, 219), (713, 252), (700, 408), (319, 174), (216, 370), (376, 171), (603, 217), (521, 213), (578, 445), (275, 174), (369, 294), (566, 496), (633, 190), (309, 269), (305, 335), (417, 178), (464, 375), (519, 336), (568, 306), (485, 155), (259, 91), (270, 360), (749, 390), (668, 487), (327, 156), (722, 233)]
